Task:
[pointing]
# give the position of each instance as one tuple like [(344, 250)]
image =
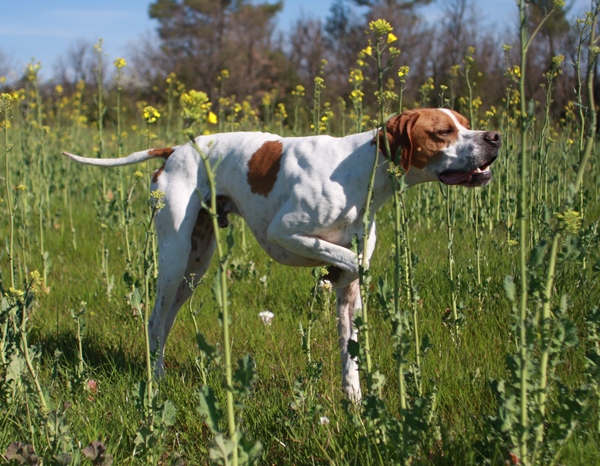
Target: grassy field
[(78, 242)]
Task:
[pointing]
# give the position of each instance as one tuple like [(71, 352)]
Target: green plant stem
[(367, 218), (222, 276), (522, 209), (545, 331), (149, 378), (42, 252), (9, 206), (25, 350), (449, 226), (398, 216)]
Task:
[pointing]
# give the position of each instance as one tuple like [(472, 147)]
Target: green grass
[(458, 370), (113, 346)]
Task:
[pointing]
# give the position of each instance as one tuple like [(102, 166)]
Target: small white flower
[(266, 316), (325, 285), (323, 420)]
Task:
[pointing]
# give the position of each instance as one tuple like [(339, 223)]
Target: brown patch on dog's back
[(165, 152), (263, 167)]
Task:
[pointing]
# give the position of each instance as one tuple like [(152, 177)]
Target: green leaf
[(209, 408), (136, 299), (169, 413), (537, 255), (245, 375), (353, 348), (510, 288), (249, 452), (221, 449), (15, 367), (209, 351)]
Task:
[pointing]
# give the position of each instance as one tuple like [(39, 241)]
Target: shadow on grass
[(99, 352)]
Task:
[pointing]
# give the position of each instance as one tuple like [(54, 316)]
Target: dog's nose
[(493, 137)]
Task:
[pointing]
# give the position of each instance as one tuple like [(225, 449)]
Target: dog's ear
[(399, 137)]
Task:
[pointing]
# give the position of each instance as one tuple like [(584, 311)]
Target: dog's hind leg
[(201, 249), (348, 300)]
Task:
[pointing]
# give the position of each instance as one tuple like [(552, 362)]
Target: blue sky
[(44, 29)]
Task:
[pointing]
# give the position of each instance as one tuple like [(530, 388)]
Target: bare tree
[(79, 63), (307, 47)]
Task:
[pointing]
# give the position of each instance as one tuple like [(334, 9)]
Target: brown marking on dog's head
[(165, 152), (421, 134), (263, 167), (157, 173)]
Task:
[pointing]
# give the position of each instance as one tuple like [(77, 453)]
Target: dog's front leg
[(320, 250), (348, 300)]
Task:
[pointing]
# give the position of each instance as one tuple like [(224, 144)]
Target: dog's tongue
[(456, 178)]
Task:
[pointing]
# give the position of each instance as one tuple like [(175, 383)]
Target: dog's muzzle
[(480, 176)]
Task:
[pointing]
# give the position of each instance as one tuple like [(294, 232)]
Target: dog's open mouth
[(478, 177)]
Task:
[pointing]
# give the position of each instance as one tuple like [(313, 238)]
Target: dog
[(303, 198)]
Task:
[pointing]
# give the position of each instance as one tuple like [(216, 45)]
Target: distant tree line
[(198, 39)]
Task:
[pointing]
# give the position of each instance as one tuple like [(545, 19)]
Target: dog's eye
[(446, 131)]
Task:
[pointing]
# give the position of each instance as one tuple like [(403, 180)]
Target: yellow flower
[(357, 95), (120, 63), (380, 27), (212, 118), (195, 104), (300, 91), (368, 51), (280, 112), (569, 221), (156, 199), (15, 293), (391, 38), (403, 71), (356, 77), (150, 114), (36, 278), (58, 89)]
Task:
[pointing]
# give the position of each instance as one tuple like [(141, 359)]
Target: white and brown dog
[(303, 198)]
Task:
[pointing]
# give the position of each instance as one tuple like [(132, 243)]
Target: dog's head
[(437, 145)]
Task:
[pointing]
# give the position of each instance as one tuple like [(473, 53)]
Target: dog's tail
[(136, 157)]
